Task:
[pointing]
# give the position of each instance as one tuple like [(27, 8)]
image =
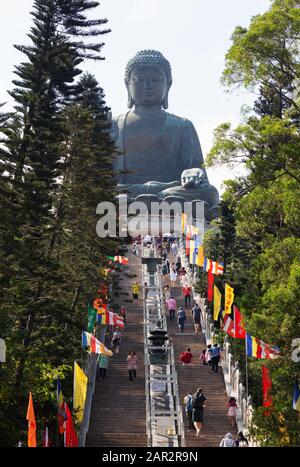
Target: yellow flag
[(80, 387), (200, 256), (217, 302), (229, 296), (183, 222), (192, 249)]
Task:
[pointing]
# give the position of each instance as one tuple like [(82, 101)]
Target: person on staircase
[(135, 248), (132, 364), (242, 441), (103, 365), (186, 292), (171, 304), (208, 355), (181, 317), (215, 352), (173, 276), (135, 290), (228, 441), (123, 313), (167, 292), (196, 312), (116, 340), (146, 290), (203, 357), (199, 402), (188, 406), (186, 357), (231, 414)]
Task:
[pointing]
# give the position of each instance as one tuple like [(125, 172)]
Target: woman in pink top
[(171, 303), (132, 365)]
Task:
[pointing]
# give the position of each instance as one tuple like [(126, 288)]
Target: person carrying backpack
[(188, 405), (199, 402), (181, 317), (228, 441)]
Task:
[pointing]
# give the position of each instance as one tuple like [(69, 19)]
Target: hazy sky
[(194, 36)]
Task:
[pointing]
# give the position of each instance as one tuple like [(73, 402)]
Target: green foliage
[(257, 234), (56, 166)]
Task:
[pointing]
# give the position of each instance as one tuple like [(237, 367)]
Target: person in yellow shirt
[(135, 290)]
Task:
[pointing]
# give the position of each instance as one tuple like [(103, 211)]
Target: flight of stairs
[(215, 422), (118, 415)]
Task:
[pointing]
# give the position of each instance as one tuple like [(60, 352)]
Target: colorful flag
[(119, 259), (62, 417), (183, 222), (296, 398), (31, 423), (234, 327), (95, 346), (259, 349), (217, 303), (105, 317), (79, 392), (71, 440), (217, 268), (229, 296), (200, 256), (239, 329), (46, 440), (92, 314), (192, 249), (267, 386), (210, 289)]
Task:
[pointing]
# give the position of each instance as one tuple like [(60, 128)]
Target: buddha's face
[(191, 178), (148, 85)]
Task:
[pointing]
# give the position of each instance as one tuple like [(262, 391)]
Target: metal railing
[(163, 410)]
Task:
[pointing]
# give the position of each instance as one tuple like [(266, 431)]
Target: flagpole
[(247, 391), (57, 422)]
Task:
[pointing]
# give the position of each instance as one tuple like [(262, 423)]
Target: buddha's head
[(148, 79)]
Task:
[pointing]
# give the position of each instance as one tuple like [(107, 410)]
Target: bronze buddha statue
[(154, 146)]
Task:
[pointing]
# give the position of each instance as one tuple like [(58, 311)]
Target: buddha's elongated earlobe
[(130, 102), (165, 101)]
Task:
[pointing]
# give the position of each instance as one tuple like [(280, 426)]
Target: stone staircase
[(118, 415), (215, 422)]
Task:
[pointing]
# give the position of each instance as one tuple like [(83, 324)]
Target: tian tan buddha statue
[(159, 154)]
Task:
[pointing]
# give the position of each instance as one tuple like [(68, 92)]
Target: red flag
[(267, 386), (234, 327), (210, 286), (239, 330), (31, 423), (71, 440)]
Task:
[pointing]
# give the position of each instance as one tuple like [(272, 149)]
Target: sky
[(194, 35)]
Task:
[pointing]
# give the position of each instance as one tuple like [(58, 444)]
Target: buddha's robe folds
[(177, 148)]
